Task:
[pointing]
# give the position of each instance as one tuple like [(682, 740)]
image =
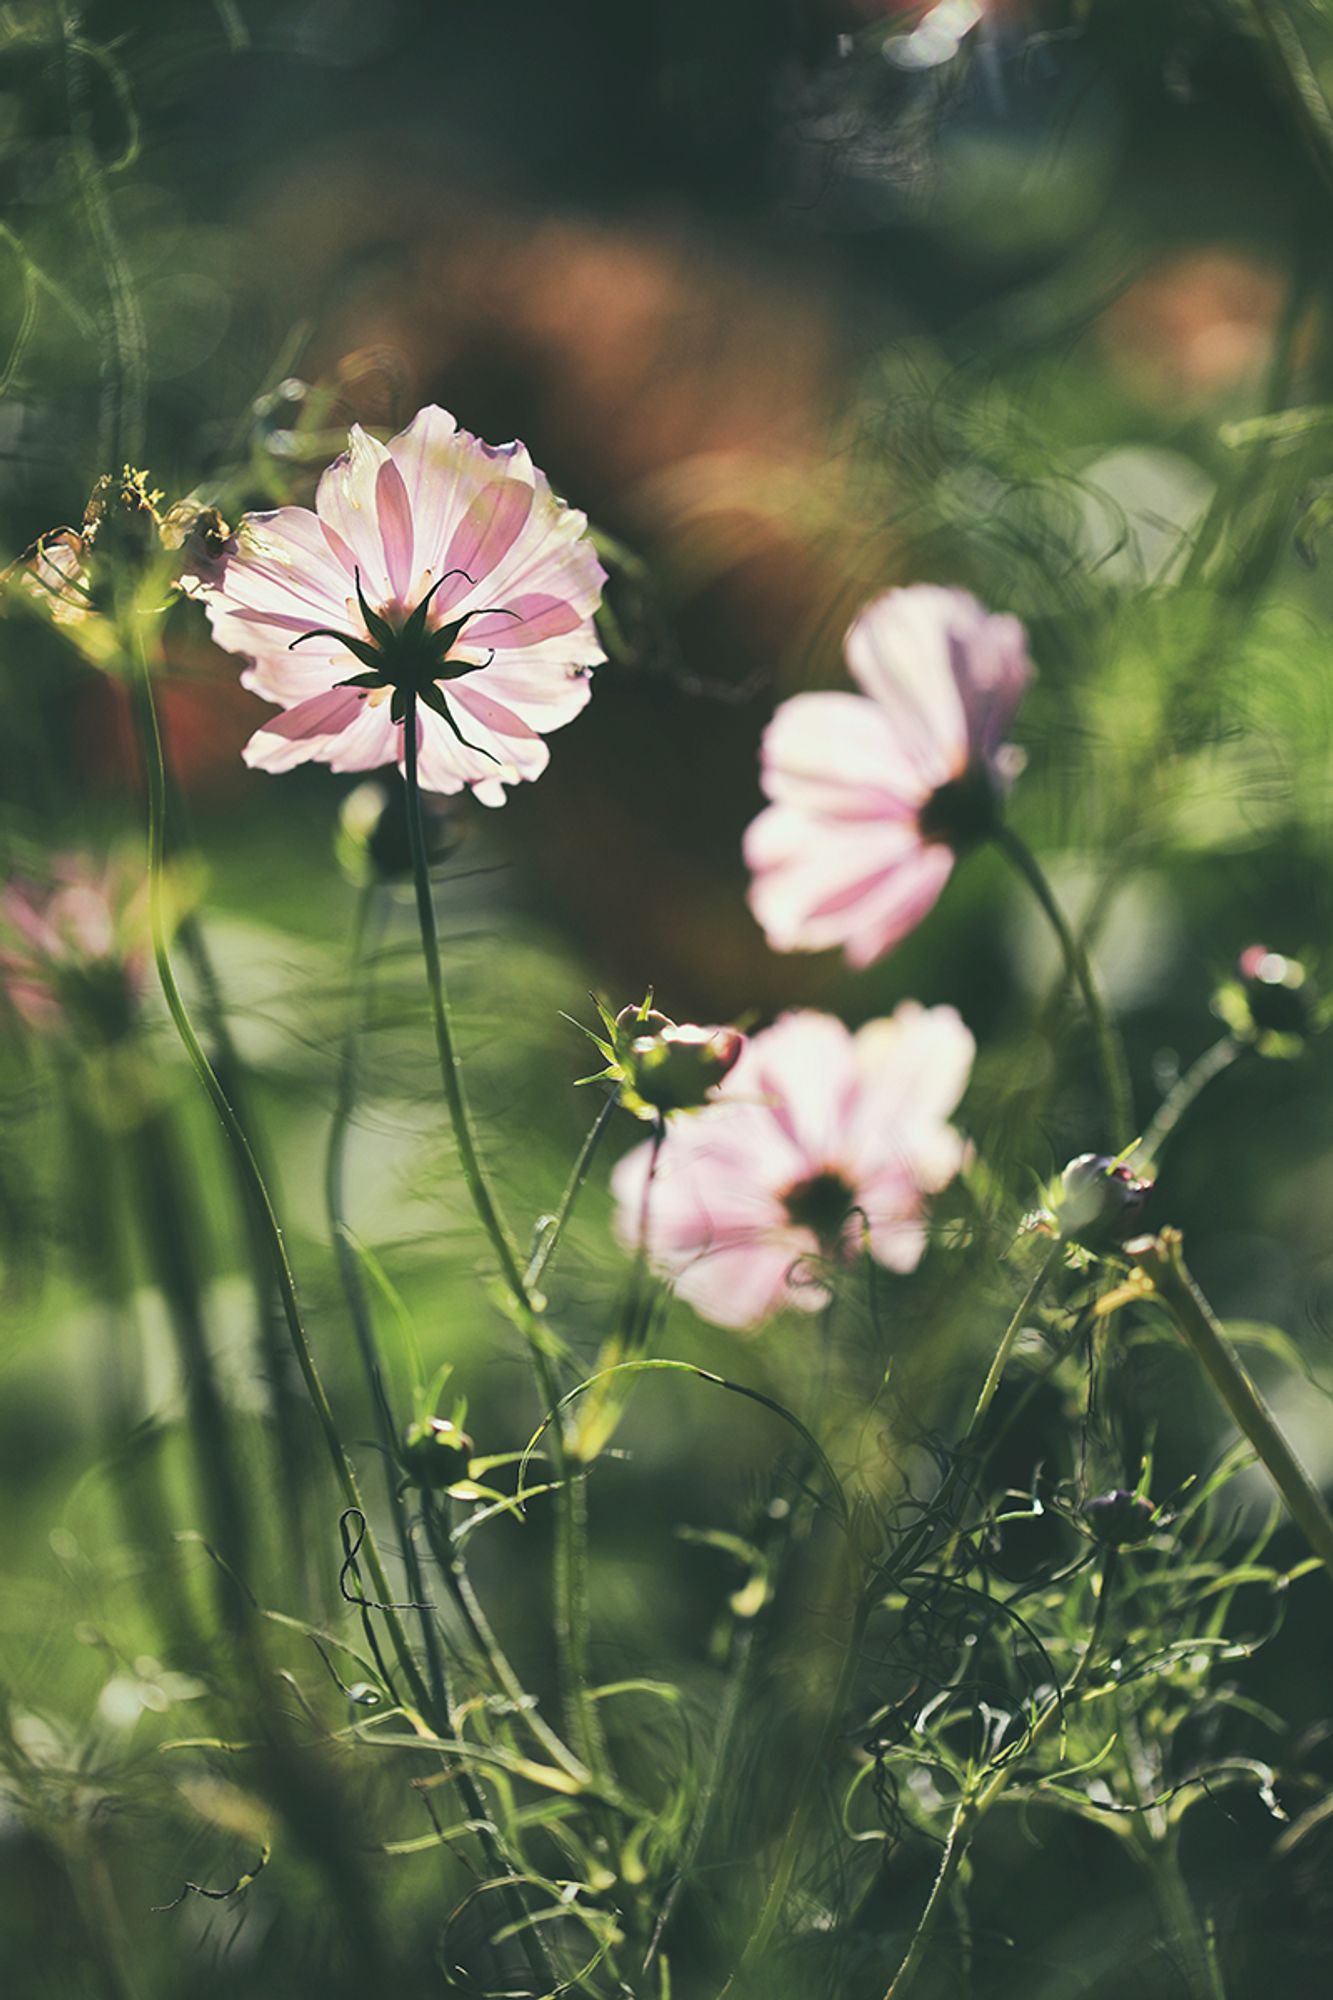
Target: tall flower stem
[(570, 1556), (1110, 1053), (435, 1701), (451, 1567), (1213, 1062), (1160, 1265), (247, 1166)]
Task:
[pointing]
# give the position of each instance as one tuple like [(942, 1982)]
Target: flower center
[(963, 812), (407, 659), (820, 1203)]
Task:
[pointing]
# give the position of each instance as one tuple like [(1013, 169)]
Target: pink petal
[(441, 476), (489, 529), (836, 755), (544, 696), (743, 1284), (901, 650), (394, 511), (525, 621), (803, 1070), (896, 906), (347, 501), (858, 884), (914, 1069), (303, 732)]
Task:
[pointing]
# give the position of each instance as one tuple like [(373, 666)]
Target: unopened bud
[(1098, 1202), (435, 1452), (372, 842), (1120, 1519), (1279, 995), (676, 1068)]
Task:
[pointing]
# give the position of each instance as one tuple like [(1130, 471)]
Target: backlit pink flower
[(74, 948), (435, 565), (875, 794), (820, 1142)]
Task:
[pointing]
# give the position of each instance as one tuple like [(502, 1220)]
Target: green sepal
[(379, 628)]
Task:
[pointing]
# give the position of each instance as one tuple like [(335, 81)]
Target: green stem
[(437, 1701), (169, 1227), (1162, 1262), (554, 1228), (570, 1586), (1110, 1053), (995, 1374), (1180, 1919), (247, 1166), (1178, 1100), (482, 1634)]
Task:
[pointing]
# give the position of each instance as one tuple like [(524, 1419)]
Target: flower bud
[(676, 1068), (372, 842), (1277, 997), (655, 1065), (1097, 1202), (435, 1452), (1120, 1519)]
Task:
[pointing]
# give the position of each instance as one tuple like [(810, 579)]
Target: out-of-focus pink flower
[(435, 562), (54, 574), (74, 948), (818, 1143), (874, 795)]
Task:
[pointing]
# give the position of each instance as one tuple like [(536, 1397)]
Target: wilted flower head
[(74, 949), (819, 1142), (73, 574), (435, 569), (1271, 1002), (874, 795)]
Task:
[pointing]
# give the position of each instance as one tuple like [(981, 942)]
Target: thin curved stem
[(1110, 1052), (570, 1589), (974, 1804), (481, 1632), (540, 1261), (995, 1373), (1212, 1063), (247, 1166)]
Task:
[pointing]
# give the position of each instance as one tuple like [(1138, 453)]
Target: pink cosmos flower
[(874, 795), (818, 1143), (435, 566), (74, 949)]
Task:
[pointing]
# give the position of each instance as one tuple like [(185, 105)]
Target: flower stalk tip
[(1160, 1270)]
